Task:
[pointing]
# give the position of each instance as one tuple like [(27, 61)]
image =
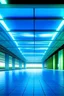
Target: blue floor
[(32, 82)]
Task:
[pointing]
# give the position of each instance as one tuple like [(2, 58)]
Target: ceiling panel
[(16, 12), (19, 24), (49, 12), (36, 32), (47, 24)]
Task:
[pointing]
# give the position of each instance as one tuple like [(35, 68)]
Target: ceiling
[(34, 32)]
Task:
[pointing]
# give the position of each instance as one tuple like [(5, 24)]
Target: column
[(20, 64), (61, 59), (24, 65), (49, 63), (55, 61), (13, 63), (44, 64), (6, 62)]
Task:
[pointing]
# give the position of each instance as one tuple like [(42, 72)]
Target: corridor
[(31, 49)]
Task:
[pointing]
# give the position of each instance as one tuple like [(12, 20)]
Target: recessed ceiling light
[(46, 35), (27, 35)]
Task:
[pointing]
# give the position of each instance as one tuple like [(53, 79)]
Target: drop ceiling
[(36, 31)]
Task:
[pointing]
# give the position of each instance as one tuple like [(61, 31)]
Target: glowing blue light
[(3, 2), (59, 27), (11, 36), (42, 48), (35, 48), (50, 43), (29, 48), (41, 42), (5, 26), (3, 23), (54, 35), (46, 35), (26, 48), (30, 42), (27, 35), (61, 24), (44, 53), (33, 53), (19, 48)]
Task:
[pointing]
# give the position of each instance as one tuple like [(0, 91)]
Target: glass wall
[(22, 65), (16, 63), (10, 62), (34, 66), (2, 60)]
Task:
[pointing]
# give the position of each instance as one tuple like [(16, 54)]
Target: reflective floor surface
[(32, 82)]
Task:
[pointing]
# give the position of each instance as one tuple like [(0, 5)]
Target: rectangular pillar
[(6, 62), (24, 65), (61, 59), (13, 63), (49, 63), (20, 64), (55, 61)]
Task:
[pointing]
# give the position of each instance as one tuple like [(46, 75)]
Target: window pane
[(2, 60), (33, 65)]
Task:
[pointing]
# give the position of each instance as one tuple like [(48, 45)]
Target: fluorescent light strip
[(53, 38), (50, 43), (3, 2), (27, 35), (3, 23), (61, 24), (5, 26), (11, 36), (41, 42), (54, 35), (33, 53), (59, 27), (41, 35), (46, 35), (33, 48), (26, 42), (33, 56), (42, 48)]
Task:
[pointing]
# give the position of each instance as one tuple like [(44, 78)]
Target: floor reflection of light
[(23, 70), (31, 70)]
